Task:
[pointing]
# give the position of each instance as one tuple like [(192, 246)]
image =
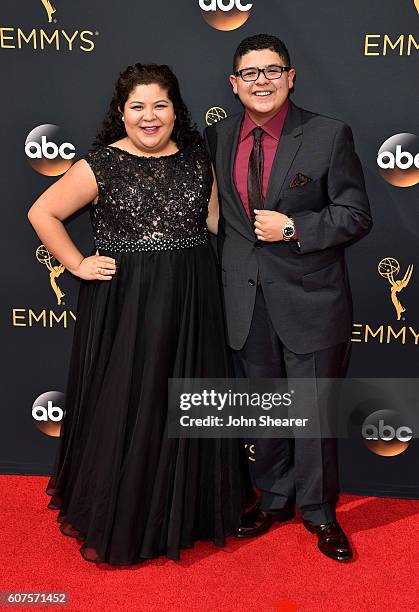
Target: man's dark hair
[(258, 43)]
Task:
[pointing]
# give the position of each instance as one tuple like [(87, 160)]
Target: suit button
[(257, 244), (251, 282)]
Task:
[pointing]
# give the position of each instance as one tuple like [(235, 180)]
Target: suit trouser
[(302, 470)]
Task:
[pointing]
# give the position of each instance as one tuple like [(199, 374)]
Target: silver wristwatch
[(288, 231)]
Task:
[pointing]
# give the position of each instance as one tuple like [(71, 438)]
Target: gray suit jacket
[(305, 283)]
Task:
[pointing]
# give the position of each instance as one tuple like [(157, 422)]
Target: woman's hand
[(95, 267)]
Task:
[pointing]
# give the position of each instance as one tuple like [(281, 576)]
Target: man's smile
[(262, 93)]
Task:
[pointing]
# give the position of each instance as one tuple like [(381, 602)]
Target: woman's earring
[(122, 117)]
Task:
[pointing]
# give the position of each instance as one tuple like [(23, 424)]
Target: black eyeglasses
[(270, 72)]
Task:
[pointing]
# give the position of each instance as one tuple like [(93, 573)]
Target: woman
[(149, 309)]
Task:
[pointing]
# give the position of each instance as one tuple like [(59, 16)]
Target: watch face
[(288, 231)]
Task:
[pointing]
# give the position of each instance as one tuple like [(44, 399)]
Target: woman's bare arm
[(213, 208), (76, 189)]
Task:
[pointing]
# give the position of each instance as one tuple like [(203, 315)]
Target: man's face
[(262, 98)]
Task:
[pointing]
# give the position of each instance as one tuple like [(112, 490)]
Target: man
[(292, 196)]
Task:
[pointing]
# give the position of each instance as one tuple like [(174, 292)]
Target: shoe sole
[(340, 558), (255, 535)]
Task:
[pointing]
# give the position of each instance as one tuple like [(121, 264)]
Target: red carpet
[(280, 571)]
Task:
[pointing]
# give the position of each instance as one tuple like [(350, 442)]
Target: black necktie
[(255, 174)]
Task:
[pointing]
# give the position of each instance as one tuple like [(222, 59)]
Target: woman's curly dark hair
[(113, 129)]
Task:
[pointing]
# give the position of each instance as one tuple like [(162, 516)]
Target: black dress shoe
[(331, 540), (256, 522)]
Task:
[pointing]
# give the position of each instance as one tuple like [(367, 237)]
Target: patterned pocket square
[(299, 180)]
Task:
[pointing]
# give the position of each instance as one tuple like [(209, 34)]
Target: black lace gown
[(122, 487)]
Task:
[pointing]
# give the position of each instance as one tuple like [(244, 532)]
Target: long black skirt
[(125, 489)]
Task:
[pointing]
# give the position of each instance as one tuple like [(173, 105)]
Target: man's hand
[(269, 225)]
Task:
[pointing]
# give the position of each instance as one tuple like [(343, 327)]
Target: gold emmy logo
[(49, 9), (417, 5), (48, 37), (44, 257), (387, 268), (216, 113), (250, 451)]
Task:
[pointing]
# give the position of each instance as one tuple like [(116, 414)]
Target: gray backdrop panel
[(376, 94)]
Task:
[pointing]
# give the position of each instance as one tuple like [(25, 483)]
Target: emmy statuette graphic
[(387, 268), (44, 257), (49, 9), (216, 113)]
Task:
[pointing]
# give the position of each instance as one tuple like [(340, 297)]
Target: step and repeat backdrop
[(355, 61)]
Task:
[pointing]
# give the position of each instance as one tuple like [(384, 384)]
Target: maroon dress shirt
[(270, 142)]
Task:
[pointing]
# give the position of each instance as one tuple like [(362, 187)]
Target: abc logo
[(47, 151), (384, 434), (398, 160), (48, 413), (225, 15)]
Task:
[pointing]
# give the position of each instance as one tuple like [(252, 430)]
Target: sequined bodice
[(150, 203)]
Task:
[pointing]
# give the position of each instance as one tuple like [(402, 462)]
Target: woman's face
[(149, 118)]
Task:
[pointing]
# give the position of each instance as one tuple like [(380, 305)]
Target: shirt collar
[(273, 127)]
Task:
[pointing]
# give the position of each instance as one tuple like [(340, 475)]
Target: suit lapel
[(289, 144), (229, 149)]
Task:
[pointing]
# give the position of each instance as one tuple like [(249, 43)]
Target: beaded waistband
[(126, 245)]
